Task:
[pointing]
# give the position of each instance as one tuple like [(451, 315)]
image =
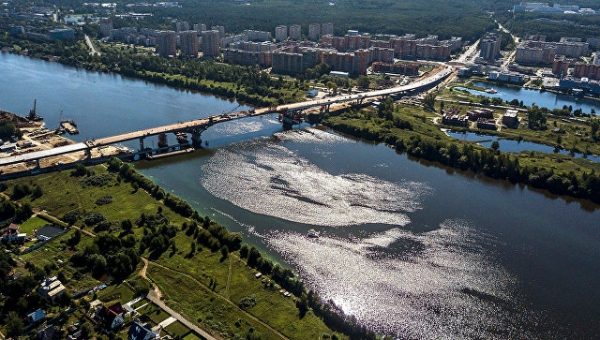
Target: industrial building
[(62, 34)]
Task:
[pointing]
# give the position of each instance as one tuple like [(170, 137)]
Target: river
[(409, 248), (529, 97)]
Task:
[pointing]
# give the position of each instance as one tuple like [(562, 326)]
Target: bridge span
[(196, 126)]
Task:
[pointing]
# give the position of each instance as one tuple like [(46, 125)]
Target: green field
[(183, 281), (32, 224)]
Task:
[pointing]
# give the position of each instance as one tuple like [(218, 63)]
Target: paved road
[(91, 46)]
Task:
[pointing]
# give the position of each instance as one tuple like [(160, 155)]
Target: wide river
[(409, 248)]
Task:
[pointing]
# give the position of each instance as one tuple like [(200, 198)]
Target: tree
[(363, 82), (14, 325), (429, 100), (224, 253), (386, 109), (495, 145)]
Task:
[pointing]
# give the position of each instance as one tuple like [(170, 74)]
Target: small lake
[(513, 146), (529, 97)]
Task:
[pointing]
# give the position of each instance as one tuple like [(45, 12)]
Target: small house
[(36, 316), (111, 317), (51, 288), (11, 234), (141, 331)]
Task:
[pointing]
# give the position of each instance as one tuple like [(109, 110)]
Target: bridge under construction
[(288, 113)]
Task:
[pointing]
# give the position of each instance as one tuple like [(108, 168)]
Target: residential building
[(11, 233), (506, 77), (220, 29), (258, 35), (486, 124), (455, 120), (210, 44), (596, 58), (51, 288), (167, 44), (106, 26), (314, 32), (583, 84), (112, 317), (511, 118), (63, 34), (589, 71), (327, 28), (295, 32), (141, 331), (36, 316), (199, 27), (181, 26), (281, 33), (535, 53), (490, 47), (475, 114), (189, 43), (403, 68), (560, 67), (250, 53)]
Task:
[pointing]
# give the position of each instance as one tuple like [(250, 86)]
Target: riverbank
[(234, 301), (243, 83), (412, 131)]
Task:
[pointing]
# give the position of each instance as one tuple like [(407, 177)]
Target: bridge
[(197, 126)]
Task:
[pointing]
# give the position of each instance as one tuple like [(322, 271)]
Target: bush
[(104, 200)]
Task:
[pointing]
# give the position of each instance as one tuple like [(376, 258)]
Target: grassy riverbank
[(412, 130), (210, 286)]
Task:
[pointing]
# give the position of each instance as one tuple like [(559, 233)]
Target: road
[(516, 39), (155, 296), (469, 55), (91, 46)]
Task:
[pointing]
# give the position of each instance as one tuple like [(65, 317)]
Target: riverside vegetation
[(411, 130), (113, 216)]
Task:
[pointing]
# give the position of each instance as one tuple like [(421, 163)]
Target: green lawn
[(32, 224), (177, 330)]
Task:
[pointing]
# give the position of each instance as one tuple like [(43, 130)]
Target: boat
[(69, 126), (313, 233), (491, 91)]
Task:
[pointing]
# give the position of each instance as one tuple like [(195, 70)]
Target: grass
[(120, 292), (32, 224), (189, 297), (177, 330)]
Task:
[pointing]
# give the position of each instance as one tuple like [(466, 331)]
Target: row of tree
[(466, 156)]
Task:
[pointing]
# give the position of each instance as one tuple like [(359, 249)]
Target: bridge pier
[(162, 140), (196, 138), (142, 144), (37, 163), (88, 153)]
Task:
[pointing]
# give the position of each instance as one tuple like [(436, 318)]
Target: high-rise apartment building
[(314, 32), (327, 28), (189, 43), (281, 33), (167, 43), (295, 32), (490, 47), (210, 43)]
